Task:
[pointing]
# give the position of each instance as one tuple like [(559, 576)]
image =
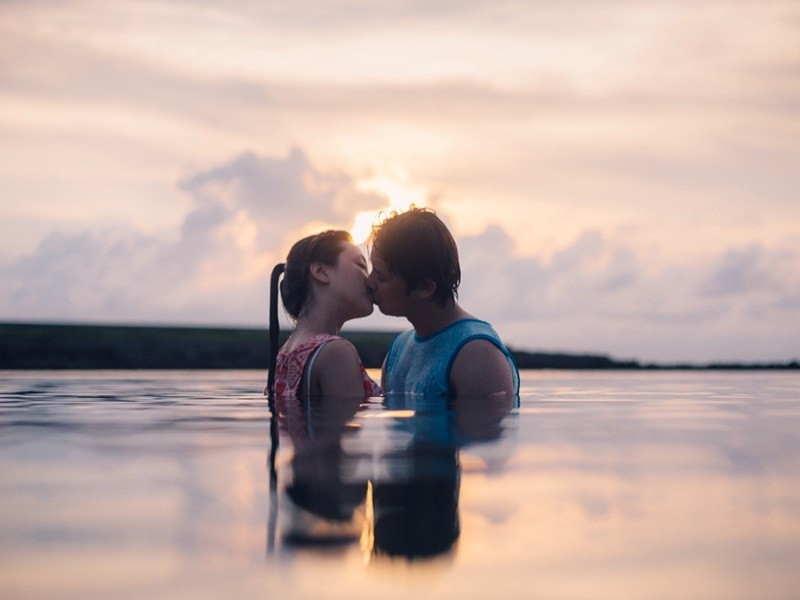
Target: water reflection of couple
[(396, 489), (451, 372)]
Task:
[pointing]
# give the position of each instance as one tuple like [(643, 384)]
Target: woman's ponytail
[(274, 331)]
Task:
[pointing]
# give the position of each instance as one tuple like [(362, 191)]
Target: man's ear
[(319, 271), (426, 289)]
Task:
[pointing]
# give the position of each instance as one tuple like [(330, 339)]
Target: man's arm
[(481, 369)]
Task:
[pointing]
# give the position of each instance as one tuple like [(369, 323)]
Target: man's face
[(389, 292)]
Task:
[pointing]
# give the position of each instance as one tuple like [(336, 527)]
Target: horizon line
[(793, 362)]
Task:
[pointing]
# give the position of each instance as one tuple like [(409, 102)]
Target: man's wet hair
[(416, 245)]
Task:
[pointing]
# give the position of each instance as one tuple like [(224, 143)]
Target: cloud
[(742, 270), (601, 294), (531, 287), (627, 170), (85, 276), (243, 215), (283, 192), (597, 293)]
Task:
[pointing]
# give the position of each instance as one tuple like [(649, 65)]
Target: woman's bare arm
[(337, 371)]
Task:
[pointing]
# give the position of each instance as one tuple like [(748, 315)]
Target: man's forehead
[(377, 259)]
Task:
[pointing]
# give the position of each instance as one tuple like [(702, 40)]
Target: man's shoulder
[(473, 328), (404, 338), (482, 367), (478, 348)]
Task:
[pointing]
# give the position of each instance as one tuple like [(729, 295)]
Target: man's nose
[(370, 282)]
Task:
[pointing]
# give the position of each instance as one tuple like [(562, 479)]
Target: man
[(415, 274)]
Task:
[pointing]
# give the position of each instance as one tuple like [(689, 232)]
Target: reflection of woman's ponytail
[(274, 329)]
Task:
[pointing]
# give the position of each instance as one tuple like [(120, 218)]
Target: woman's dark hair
[(323, 247), (416, 245)]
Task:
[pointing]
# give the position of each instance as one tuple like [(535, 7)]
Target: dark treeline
[(49, 346), (46, 346)]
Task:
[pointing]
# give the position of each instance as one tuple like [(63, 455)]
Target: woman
[(324, 285)]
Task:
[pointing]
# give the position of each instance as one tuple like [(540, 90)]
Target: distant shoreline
[(25, 346)]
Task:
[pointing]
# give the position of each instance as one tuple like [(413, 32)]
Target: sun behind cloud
[(362, 226), (401, 194)]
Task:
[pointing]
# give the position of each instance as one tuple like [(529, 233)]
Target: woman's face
[(349, 278)]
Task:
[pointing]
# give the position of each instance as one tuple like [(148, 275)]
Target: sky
[(621, 177)]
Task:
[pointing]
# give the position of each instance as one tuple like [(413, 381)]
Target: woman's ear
[(320, 272)]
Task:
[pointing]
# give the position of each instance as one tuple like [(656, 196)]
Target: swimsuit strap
[(310, 364)]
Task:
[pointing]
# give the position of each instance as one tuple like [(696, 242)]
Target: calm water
[(600, 485)]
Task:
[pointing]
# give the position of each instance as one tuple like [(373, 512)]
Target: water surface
[(600, 485)]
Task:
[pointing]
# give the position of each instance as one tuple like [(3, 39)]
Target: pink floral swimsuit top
[(291, 366)]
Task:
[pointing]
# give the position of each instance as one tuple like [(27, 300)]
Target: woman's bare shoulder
[(337, 370), (338, 353)]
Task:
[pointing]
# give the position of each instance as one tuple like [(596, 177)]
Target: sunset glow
[(401, 196), (362, 227), (158, 157)]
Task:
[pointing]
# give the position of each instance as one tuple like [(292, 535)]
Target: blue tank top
[(421, 365)]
